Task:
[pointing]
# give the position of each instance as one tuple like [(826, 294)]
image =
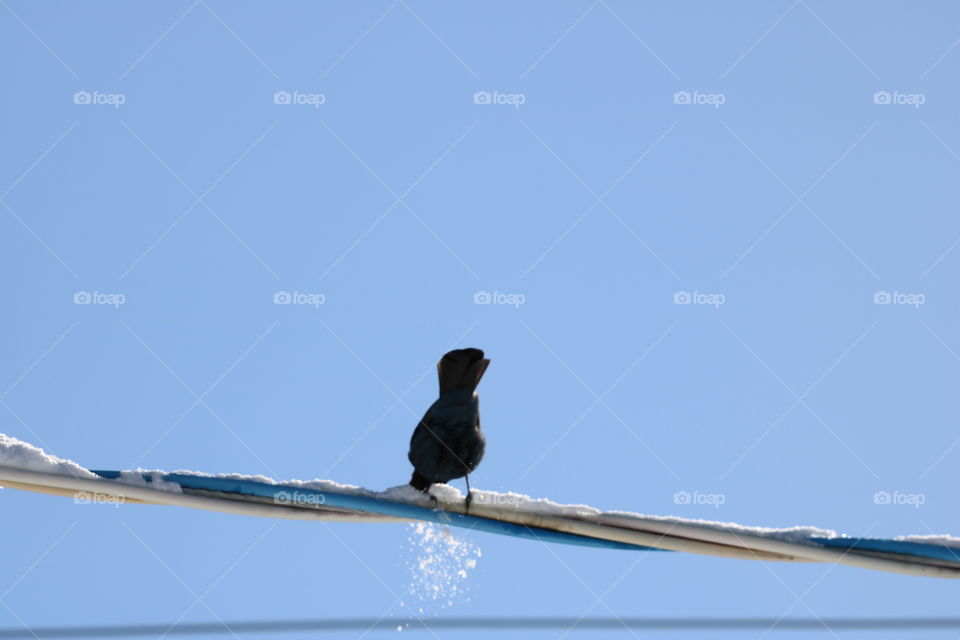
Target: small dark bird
[(448, 443)]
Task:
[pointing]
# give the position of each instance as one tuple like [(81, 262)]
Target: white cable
[(670, 534)]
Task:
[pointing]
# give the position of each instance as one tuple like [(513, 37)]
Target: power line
[(501, 623)]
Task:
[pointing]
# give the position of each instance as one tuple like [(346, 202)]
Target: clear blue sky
[(784, 186)]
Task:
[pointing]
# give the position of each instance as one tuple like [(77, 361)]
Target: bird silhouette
[(448, 442)]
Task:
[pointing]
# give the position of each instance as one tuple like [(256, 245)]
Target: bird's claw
[(467, 502)]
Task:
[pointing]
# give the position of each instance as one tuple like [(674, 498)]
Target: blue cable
[(287, 494)]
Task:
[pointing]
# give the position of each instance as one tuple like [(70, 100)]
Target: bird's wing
[(474, 448), (422, 444)]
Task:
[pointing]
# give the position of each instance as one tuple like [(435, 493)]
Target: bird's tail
[(461, 368)]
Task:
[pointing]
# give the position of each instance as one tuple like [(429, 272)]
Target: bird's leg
[(469, 495), (433, 498)]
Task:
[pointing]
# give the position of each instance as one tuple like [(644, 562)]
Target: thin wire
[(485, 623)]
